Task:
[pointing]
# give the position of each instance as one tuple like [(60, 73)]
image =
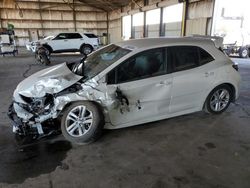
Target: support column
[(107, 27), (162, 28), (132, 29), (145, 28), (1, 23), (41, 18), (74, 15), (184, 18)]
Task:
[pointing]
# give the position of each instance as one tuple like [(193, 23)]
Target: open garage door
[(153, 22), (126, 27), (172, 19), (231, 21), (137, 25)]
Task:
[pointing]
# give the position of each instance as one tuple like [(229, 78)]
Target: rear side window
[(187, 57), (205, 57), (90, 35), (74, 36), (183, 57)]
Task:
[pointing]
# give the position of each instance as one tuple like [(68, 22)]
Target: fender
[(83, 44), (226, 82), (48, 47)]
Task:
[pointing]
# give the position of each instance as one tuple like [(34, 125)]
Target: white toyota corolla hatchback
[(125, 84)]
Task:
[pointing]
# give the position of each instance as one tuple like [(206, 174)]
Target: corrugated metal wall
[(198, 19), (36, 18)]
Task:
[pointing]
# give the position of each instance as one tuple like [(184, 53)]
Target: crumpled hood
[(50, 80)]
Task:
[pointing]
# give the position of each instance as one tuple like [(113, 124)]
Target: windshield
[(90, 35), (98, 61), (48, 37)]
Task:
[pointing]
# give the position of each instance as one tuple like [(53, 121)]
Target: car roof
[(164, 41)]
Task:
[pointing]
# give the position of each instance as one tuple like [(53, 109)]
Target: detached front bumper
[(23, 122), (16, 122)]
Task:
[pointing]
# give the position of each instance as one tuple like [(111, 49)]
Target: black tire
[(94, 130), (244, 52), (209, 108), (86, 49), (42, 56), (45, 59), (228, 52), (48, 49)]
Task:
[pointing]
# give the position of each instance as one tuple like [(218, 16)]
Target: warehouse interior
[(35, 19), (193, 150)]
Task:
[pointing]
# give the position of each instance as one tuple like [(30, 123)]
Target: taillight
[(235, 66)]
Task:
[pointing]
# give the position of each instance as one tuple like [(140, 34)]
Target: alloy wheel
[(219, 100), (78, 121)]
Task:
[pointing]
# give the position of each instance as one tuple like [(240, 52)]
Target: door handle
[(207, 74), (162, 83)]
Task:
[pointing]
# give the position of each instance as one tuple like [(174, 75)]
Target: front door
[(60, 42), (143, 88)]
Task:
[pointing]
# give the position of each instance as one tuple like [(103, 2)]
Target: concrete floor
[(192, 151)]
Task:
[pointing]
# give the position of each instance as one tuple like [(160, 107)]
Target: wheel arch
[(100, 108), (48, 47), (85, 44), (230, 85)]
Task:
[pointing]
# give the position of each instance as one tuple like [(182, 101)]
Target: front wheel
[(218, 100), (82, 122)]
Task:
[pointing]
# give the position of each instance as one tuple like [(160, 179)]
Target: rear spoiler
[(218, 41)]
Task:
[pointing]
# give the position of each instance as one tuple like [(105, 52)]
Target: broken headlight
[(38, 105)]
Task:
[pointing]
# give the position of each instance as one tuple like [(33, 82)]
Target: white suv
[(71, 42), (125, 84)]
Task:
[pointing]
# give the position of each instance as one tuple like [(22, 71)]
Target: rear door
[(144, 87), (91, 39), (74, 41), (191, 76)]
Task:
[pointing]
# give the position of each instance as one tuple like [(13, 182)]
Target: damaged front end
[(34, 110), (35, 118)]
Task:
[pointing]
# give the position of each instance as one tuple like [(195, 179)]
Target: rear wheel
[(243, 52), (82, 122), (86, 49), (219, 99)]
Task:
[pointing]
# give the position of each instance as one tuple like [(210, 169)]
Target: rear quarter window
[(90, 35), (183, 57), (187, 57), (205, 57)]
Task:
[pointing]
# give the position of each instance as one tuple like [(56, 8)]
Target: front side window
[(143, 65), (61, 36)]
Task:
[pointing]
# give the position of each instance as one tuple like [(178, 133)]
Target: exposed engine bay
[(40, 99), (38, 117)]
